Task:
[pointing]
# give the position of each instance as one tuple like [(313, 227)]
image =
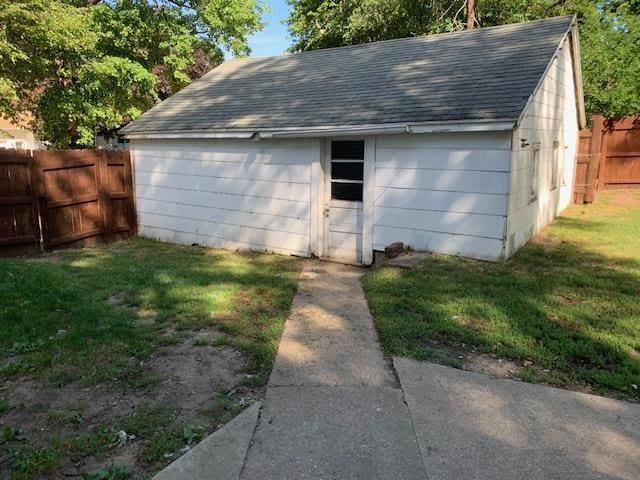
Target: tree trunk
[(471, 15)]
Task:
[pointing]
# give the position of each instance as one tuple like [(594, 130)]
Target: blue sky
[(274, 39)]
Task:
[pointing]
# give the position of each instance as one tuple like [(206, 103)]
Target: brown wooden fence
[(608, 156), (56, 199)]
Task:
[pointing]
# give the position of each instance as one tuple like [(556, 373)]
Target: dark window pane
[(347, 170), (346, 191), (347, 149)]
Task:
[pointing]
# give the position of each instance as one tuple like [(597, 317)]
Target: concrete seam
[(246, 453), (413, 426)]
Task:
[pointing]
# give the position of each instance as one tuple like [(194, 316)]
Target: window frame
[(333, 181), (534, 171), (554, 167)]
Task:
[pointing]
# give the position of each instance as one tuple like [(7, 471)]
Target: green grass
[(94, 316), (33, 462), (162, 432), (569, 305), (84, 316), (223, 409)]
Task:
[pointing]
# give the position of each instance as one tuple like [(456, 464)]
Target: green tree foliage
[(81, 66), (610, 34)]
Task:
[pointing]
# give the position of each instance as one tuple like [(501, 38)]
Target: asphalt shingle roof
[(479, 74)]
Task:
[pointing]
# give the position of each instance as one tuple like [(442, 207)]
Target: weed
[(223, 409), (115, 472), (31, 463)]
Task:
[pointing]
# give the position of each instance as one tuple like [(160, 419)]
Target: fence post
[(595, 154)]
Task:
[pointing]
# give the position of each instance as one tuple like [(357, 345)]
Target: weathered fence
[(608, 156), (56, 199), (19, 224)]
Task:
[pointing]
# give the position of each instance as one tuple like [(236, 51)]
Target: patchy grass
[(164, 434), (139, 336), (83, 317), (223, 409), (33, 462), (565, 307)]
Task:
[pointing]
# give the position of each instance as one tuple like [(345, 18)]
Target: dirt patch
[(189, 378), (146, 316), (46, 259), (194, 375), (118, 298), (549, 243), (461, 355), (496, 367)]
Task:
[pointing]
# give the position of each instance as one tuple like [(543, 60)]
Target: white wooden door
[(343, 212)]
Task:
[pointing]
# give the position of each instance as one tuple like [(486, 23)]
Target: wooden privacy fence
[(608, 156), (56, 199)]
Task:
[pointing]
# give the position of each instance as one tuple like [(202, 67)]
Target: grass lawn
[(565, 308), (109, 325)]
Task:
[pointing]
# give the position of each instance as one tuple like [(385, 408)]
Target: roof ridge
[(423, 37)]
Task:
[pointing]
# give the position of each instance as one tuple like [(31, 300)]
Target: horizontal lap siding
[(550, 117), (233, 194), (443, 192)]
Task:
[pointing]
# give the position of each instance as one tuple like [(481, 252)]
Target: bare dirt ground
[(191, 384)]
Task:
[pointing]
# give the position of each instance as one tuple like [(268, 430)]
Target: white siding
[(443, 192), (550, 117), (225, 193)]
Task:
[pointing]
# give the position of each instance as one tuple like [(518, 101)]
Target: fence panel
[(121, 221), (585, 179), (621, 154), (78, 197), (69, 195), (608, 156), (19, 226)]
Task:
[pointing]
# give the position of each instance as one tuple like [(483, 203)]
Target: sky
[(274, 39)]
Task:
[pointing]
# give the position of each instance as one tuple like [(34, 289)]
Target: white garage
[(458, 143)]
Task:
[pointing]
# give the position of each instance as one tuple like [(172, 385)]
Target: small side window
[(563, 167), (553, 167), (534, 166)]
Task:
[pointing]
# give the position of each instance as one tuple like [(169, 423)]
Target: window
[(553, 167), (347, 168), (533, 173), (563, 167)]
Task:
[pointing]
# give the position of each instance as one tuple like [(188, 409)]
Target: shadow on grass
[(572, 312), (86, 313)]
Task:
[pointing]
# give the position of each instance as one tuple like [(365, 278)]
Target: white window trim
[(555, 167), (534, 172)]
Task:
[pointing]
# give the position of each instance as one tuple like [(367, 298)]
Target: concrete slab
[(337, 432), (473, 426), (329, 337), (220, 456)]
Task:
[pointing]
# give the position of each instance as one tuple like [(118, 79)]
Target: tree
[(609, 30), (86, 66)]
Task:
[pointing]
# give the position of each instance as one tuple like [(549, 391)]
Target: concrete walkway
[(472, 426), (333, 409)]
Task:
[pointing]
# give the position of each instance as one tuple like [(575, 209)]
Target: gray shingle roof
[(479, 74)]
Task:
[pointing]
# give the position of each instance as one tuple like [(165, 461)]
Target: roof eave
[(577, 74), (332, 130), (572, 34)]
